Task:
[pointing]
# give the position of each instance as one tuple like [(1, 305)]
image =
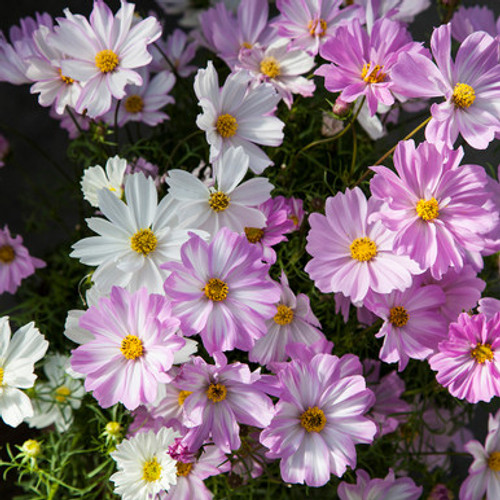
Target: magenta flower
[(310, 24), (362, 63), (468, 20), (222, 291), (489, 306), (319, 418), (278, 223), (352, 255), (412, 325), (294, 207), (103, 54), (293, 321), (178, 51), (15, 261), (468, 361), (470, 87), (220, 397), (133, 347), (435, 206), (388, 488)]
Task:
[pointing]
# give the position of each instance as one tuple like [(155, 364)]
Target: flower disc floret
[(226, 125), (482, 353), (254, 234), (183, 469), (219, 201), (62, 393), (494, 461), (428, 210), (270, 67), (216, 392), (313, 24), (106, 60), (144, 242), (182, 396), (398, 316), (1, 376), (363, 249), (375, 75), (151, 470), (66, 79), (284, 316), (463, 95), (216, 289), (134, 104), (7, 254), (313, 419), (132, 347)]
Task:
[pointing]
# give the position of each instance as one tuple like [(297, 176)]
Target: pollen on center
[(284, 315), (182, 396), (61, 393), (398, 316), (144, 242), (373, 74), (134, 104), (216, 289), (7, 254), (106, 60), (463, 95), (428, 210), (218, 201), (131, 347), (254, 234), (217, 392), (66, 79), (313, 26), (482, 353), (151, 470), (183, 469), (270, 67), (226, 125), (313, 419), (363, 249)]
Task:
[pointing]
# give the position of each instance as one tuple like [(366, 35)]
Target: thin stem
[(73, 118), (172, 66), (116, 126), (354, 150), (179, 144), (388, 153)]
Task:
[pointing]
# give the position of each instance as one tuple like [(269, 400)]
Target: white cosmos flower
[(137, 238), (18, 356), (238, 115), (144, 466), (57, 398), (95, 178), (228, 203)]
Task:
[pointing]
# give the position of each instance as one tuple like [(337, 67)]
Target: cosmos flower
[(102, 54), (15, 262), (468, 20), (238, 115), (179, 53), (18, 355), (222, 291)]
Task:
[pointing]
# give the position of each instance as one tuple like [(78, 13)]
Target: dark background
[(28, 180)]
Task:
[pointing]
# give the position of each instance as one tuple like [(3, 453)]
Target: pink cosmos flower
[(387, 390), (238, 115), (412, 325), (484, 475), (398, 10), (221, 397), (311, 23), (190, 475), (227, 34), (133, 347), (293, 322), (179, 52), (103, 54), (277, 225), (222, 291), (144, 103), (294, 208), (489, 306), (362, 63), (468, 361), (15, 261), (468, 20), (435, 206), (319, 418), (351, 254), (388, 488), (470, 86)]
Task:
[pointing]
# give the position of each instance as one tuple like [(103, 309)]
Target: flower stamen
[(482, 353), (226, 125), (363, 249), (428, 210), (463, 95), (270, 67), (66, 79), (151, 471), (106, 60), (217, 392), (313, 419), (494, 461), (254, 234), (398, 316), (182, 396), (62, 392), (284, 316), (375, 75), (7, 254), (219, 201), (216, 289), (134, 104), (131, 347), (144, 242), (313, 24), (183, 469)]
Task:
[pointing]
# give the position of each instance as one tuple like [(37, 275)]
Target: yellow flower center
[(363, 249), (246, 45), (218, 201), (313, 419), (398, 316), (216, 289), (313, 24), (151, 471), (31, 448), (7, 254), (1, 376), (254, 234), (284, 316), (66, 79), (134, 104), (183, 469), (270, 67), (106, 60), (494, 461), (113, 428), (463, 95), (217, 393), (428, 209), (226, 125), (182, 396), (375, 75), (144, 241), (482, 352), (62, 392), (132, 347), (294, 219)]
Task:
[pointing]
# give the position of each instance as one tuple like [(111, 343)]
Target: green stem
[(180, 143)]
